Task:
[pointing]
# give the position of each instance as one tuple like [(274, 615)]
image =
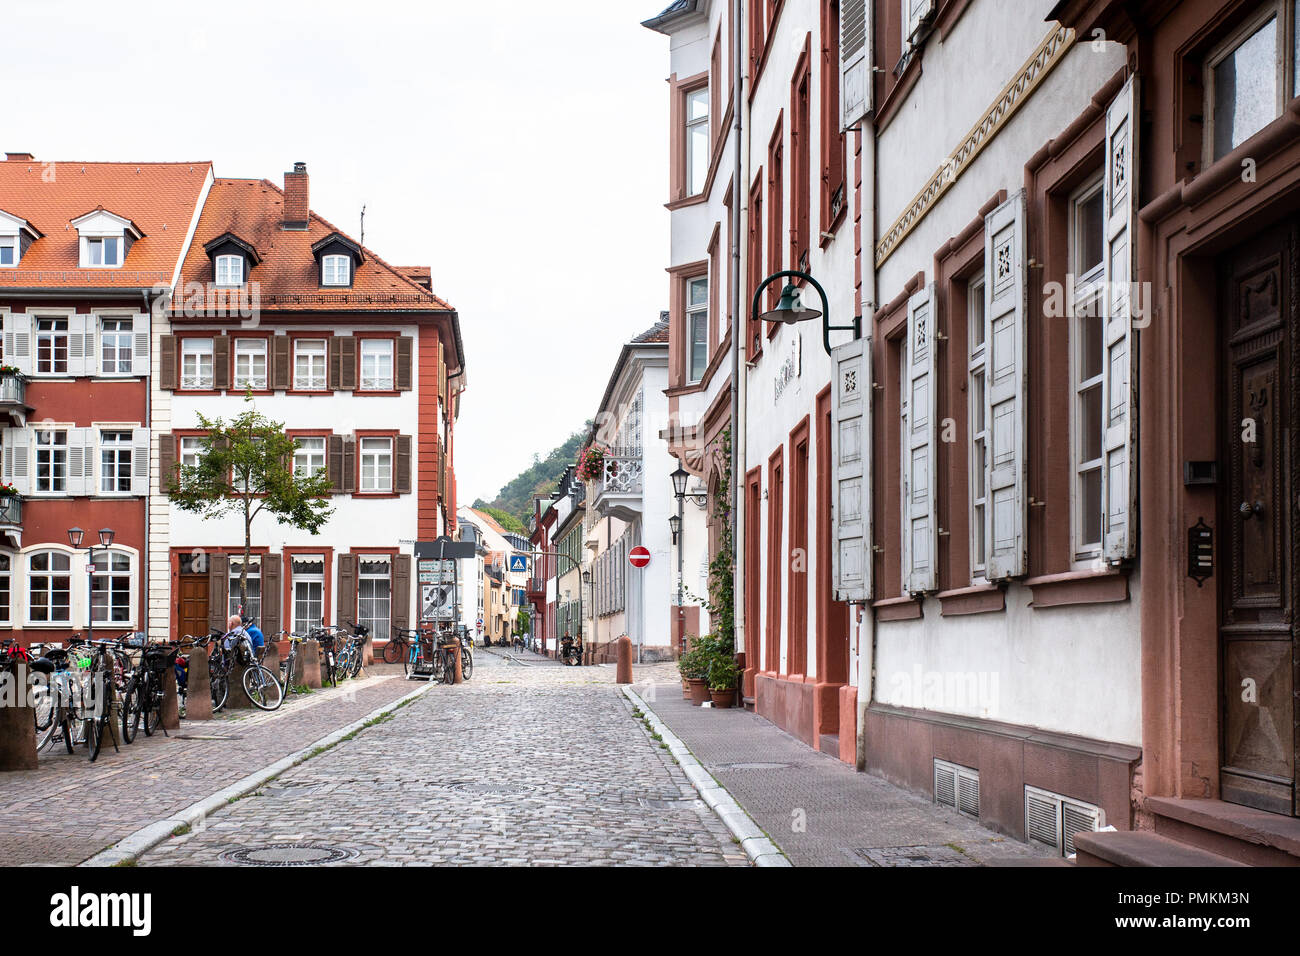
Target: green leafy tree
[(245, 467), (523, 621)]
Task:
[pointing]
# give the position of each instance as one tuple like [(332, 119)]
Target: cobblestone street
[(482, 773)]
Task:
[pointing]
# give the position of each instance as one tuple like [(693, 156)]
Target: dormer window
[(232, 260), (337, 258), (230, 270), (336, 270), (15, 236), (105, 239)]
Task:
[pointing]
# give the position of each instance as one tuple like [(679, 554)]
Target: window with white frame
[(103, 251), (51, 346), (115, 461), (697, 327), (374, 595), (336, 270), (376, 464), (697, 140), (6, 589), (309, 456), (110, 593), (308, 573), (1250, 77), (979, 434), (8, 251), (196, 363), (1088, 365), (115, 347), (253, 610), (377, 364), (49, 587), (309, 364), (230, 270), (250, 363), (51, 460), (191, 451)]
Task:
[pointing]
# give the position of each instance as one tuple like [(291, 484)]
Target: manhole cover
[(753, 766), (288, 854), (505, 789), (205, 737), (941, 855)]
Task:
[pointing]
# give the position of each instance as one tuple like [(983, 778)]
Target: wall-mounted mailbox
[(1200, 552), (1200, 472)]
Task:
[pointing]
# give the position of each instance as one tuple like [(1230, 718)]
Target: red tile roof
[(287, 276), (489, 521), (160, 198)]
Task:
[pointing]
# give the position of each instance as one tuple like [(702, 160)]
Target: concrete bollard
[(17, 723), (623, 672), (368, 652), (171, 708), (455, 652), (308, 668), (237, 699), (198, 686), (271, 659)]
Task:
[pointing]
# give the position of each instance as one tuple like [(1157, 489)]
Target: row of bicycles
[(430, 653)]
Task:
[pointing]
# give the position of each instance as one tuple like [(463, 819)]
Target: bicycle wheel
[(132, 704), (262, 688), (357, 658), (466, 662), (151, 704), (393, 651), (220, 691), (100, 713), (43, 704), (408, 658), (448, 668)]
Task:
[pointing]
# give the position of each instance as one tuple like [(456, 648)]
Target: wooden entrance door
[(193, 604), (1258, 507)]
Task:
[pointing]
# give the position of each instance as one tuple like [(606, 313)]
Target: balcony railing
[(622, 473), (11, 519), (13, 389)]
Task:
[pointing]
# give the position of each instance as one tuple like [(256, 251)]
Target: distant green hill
[(540, 478)]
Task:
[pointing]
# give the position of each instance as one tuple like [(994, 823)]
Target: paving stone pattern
[(526, 764)]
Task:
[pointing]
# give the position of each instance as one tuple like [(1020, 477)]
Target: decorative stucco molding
[(1048, 53)]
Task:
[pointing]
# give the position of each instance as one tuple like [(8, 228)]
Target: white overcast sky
[(518, 148)]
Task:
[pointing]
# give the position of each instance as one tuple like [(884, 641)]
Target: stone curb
[(146, 838), (757, 846)]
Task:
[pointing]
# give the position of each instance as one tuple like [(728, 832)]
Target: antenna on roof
[(363, 225)]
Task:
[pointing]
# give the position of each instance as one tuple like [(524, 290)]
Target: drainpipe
[(867, 621), (739, 330)]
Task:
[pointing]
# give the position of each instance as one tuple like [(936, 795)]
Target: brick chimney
[(19, 157), (296, 202)]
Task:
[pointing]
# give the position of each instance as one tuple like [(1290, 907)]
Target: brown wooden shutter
[(347, 606), (437, 466), (349, 465), (442, 379), (401, 597), (281, 363), (167, 362), (403, 362), (403, 464), (220, 361), (347, 362), (270, 595), (166, 461), (335, 360), (218, 586), (334, 463)]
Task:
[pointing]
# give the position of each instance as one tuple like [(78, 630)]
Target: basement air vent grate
[(1053, 819), (957, 787)]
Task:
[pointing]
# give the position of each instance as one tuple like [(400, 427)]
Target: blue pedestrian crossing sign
[(518, 562)]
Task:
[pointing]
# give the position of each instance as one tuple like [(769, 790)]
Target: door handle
[(1246, 510)]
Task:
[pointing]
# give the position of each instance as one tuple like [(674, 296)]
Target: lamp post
[(75, 537), (790, 309)]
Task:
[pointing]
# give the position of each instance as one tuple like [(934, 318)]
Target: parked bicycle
[(352, 650), (57, 698), (143, 699)]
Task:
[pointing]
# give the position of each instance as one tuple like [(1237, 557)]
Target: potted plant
[(9, 371), (591, 463), (694, 667), (722, 679), (7, 490)]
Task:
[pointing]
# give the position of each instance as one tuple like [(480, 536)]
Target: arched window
[(112, 587), (49, 587)]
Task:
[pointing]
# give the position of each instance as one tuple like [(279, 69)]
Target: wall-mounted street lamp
[(675, 526), (75, 537), (791, 309), (680, 477)]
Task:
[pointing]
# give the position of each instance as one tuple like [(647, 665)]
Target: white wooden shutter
[(140, 344), (1119, 379), (918, 12), (81, 344), (1006, 335), (920, 527), (16, 458), (18, 342), (851, 487), (75, 483), (855, 61), (139, 461)]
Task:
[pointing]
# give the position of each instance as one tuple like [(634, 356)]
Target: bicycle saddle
[(43, 665)]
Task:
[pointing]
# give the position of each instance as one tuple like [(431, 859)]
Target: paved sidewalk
[(69, 809), (819, 811)]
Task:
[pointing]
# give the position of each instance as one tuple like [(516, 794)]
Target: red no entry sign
[(639, 556)]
